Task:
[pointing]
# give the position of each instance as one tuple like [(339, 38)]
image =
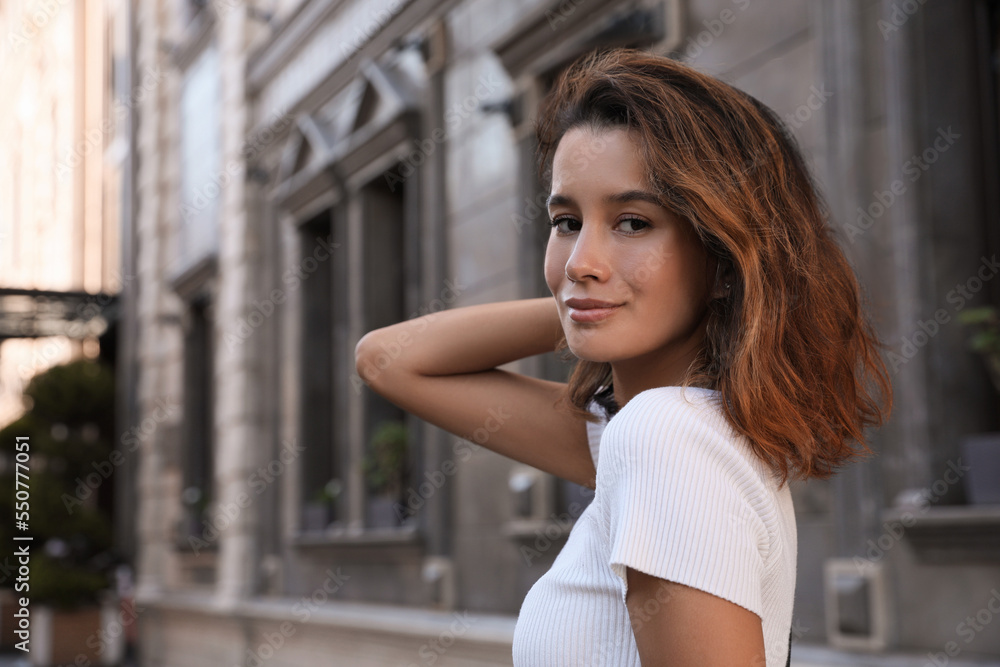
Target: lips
[(591, 310)]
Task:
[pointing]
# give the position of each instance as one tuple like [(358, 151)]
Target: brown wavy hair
[(789, 347)]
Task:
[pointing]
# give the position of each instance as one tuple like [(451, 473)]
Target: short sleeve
[(682, 498)]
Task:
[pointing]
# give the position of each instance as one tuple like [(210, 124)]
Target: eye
[(557, 223), (635, 224)]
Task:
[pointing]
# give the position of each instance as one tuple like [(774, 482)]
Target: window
[(201, 178), (322, 482), (388, 453), (343, 187), (198, 453)]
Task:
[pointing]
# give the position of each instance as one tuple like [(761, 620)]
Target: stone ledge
[(366, 538), (520, 529), (413, 622), (951, 533), (812, 655)]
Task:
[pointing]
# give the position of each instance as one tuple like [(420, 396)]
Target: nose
[(589, 255)]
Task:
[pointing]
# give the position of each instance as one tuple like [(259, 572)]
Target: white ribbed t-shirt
[(681, 496)]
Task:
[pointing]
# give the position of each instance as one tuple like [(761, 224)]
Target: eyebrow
[(625, 197)]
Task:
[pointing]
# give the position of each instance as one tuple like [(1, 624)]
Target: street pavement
[(802, 656)]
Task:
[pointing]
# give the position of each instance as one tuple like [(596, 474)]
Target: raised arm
[(442, 367)]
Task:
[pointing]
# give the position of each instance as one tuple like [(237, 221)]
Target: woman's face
[(613, 243)]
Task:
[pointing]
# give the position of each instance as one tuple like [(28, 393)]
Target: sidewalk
[(804, 655)]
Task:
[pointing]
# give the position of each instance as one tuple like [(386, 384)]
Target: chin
[(590, 352), (589, 357), (583, 352)]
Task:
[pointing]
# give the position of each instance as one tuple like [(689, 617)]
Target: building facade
[(308, 170), (61, 175)]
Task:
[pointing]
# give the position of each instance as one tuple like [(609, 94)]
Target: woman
[(721, 346)]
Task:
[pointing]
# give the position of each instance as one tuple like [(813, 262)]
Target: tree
[(69, 424)]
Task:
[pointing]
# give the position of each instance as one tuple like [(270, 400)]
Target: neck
[(663, 367)]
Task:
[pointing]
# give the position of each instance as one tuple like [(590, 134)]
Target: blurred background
[(205, 204)]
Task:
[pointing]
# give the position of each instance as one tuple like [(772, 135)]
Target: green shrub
[(386, 461), (70, 426)]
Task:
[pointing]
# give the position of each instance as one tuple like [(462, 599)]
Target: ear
[(725, 279)]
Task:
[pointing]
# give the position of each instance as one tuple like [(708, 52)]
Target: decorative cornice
[(260, 75), (294, 32), (551, 36), (394, 119)]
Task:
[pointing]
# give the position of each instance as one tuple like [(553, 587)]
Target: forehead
[(593, 157)]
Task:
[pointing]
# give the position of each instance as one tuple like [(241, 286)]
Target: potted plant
[(68, 428), (986, 340), (385, 467), (193, 522), (981, 451), (321, 510)]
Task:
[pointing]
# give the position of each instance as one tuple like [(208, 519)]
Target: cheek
[(555, 266), (666, 278), (647, 268)]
